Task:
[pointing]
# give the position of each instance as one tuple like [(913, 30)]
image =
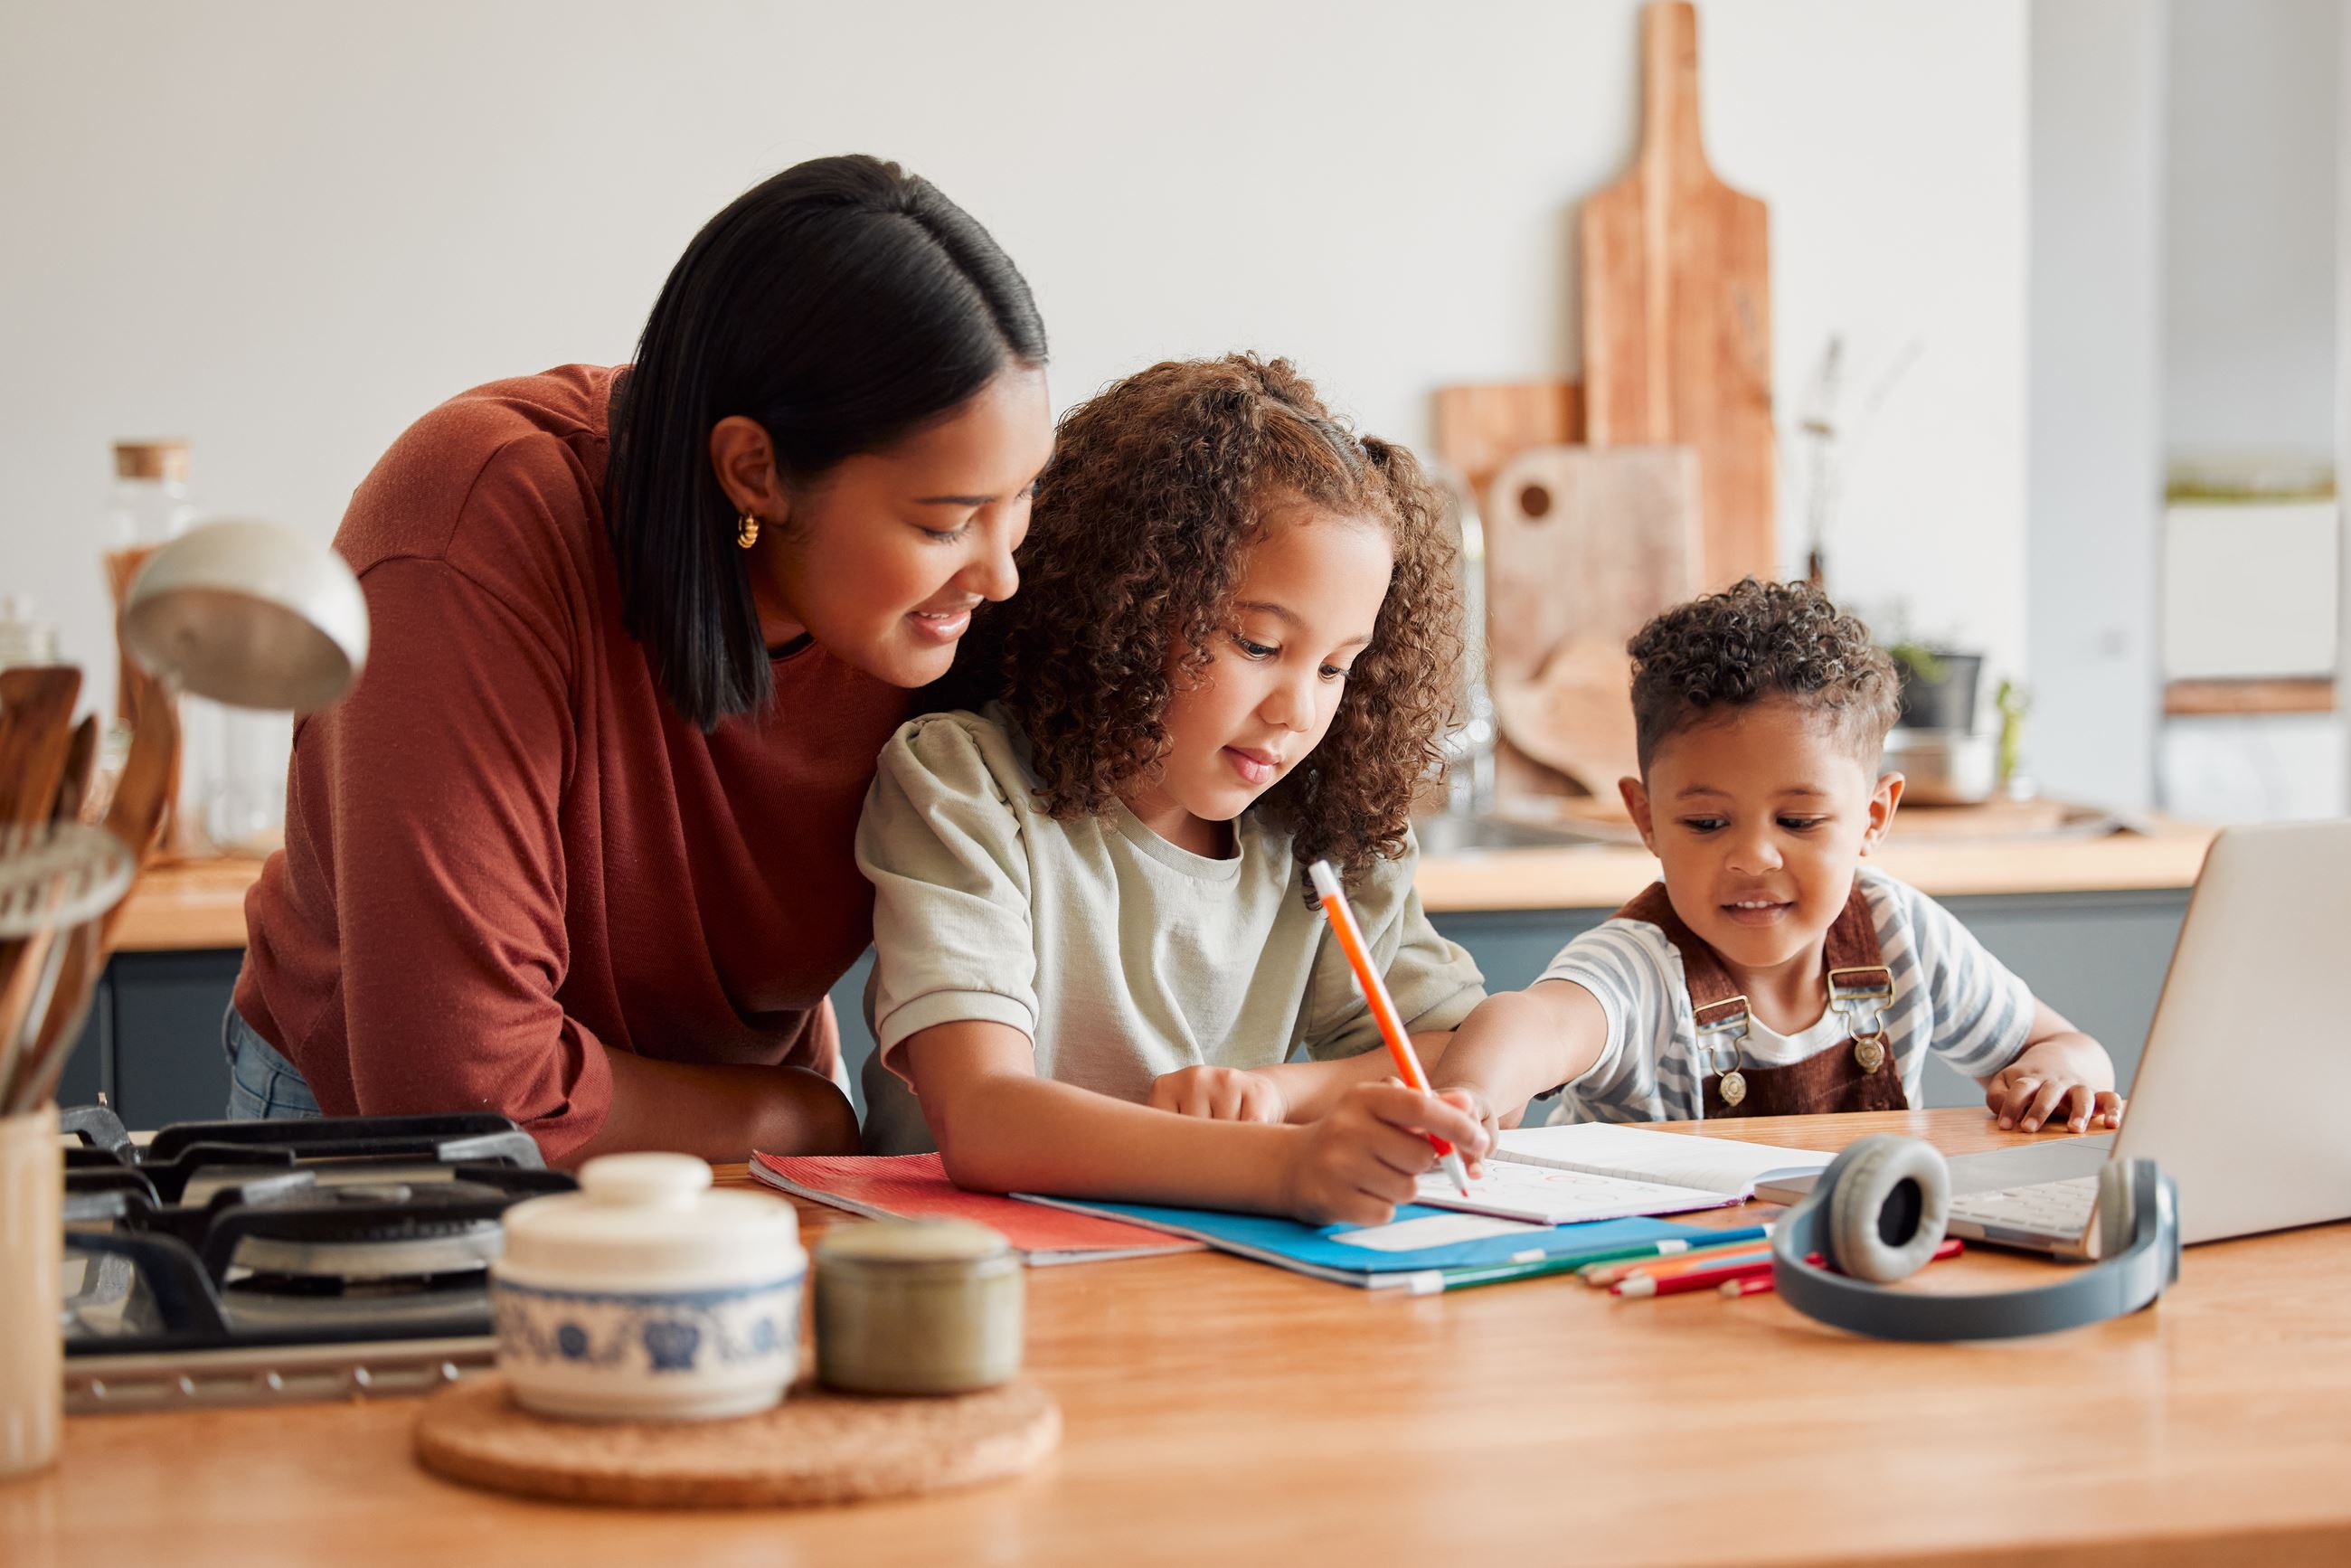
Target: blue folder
[(1315, 1250)]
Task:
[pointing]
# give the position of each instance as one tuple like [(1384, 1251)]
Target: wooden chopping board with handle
[(1583, 547), (1678, 311)]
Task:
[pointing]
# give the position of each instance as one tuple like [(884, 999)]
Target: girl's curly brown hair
[(1156, 487), (1758, 640)]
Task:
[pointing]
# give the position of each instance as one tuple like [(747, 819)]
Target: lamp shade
[(249, 613)]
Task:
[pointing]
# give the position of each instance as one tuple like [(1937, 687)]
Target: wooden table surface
[(1220, 1411), (201, 904)]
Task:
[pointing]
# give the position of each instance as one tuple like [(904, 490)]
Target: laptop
[(2243, 1095)]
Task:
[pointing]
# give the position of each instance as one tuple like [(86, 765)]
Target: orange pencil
[(1383, 1012)]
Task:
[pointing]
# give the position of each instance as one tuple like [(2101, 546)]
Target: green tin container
[(929, 1306)]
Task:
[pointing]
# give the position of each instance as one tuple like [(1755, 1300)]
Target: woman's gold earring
[(747, 530)]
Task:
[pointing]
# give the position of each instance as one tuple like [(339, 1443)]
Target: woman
[(579, 848)]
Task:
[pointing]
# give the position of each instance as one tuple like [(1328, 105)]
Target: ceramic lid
[(650, 1221), (912, 1241)]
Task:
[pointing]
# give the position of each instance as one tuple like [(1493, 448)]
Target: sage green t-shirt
[(1119, 955)]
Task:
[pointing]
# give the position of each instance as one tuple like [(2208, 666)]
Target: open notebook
[(916, 1186), (1604, 1170)]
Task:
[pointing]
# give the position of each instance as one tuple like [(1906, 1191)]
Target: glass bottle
[(23, 638), (232, 794)]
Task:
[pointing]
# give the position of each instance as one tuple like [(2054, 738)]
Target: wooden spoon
[(36, 704), (81, 758)]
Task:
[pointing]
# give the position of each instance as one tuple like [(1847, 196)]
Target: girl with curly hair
[(1096, 952)]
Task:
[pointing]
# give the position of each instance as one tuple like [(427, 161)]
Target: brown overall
[(1859, 1075)]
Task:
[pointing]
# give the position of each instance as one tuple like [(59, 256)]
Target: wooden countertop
[(1217, 1410), (2165, 854), (201, 904)]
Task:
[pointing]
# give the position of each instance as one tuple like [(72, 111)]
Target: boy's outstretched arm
[(1001, 1128), (1518, 1044), (2062, 1075)]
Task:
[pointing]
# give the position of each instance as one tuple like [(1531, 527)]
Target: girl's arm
[(1001, 1128)]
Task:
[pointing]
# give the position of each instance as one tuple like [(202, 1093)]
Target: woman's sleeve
[(941, 842), (443, 777), (1433, 982)]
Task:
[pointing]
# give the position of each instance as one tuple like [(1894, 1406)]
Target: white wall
[(285, 230), (2098, 405), (2249, 297)]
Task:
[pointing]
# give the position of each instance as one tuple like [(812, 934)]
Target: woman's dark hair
[(843, 304), (1156, 488)]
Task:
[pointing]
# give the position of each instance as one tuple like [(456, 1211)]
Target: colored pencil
[(1756, 1285), (1667, 1268), (1534, 1265), (1642, 1286), (1608, 1271), (1434, 1281)]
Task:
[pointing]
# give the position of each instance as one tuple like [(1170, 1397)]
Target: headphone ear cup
[(1868, 1195), (2116, 1216)]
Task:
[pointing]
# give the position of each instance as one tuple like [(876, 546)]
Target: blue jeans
[(263, 1086)]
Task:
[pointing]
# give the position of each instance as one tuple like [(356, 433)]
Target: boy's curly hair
[(1156, 487), (1758, 640)]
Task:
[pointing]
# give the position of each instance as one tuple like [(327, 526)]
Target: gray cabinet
[(2096, 958), (152, 1042)]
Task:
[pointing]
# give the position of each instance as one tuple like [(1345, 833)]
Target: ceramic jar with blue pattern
[(647, 1295)]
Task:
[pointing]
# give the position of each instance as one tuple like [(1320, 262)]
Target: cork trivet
[(815, 1447)]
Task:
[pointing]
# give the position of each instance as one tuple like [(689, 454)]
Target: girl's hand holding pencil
[(1354, 1165)]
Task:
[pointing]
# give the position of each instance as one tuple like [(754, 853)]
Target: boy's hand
[(1355, 1164), (1473, 1100), (2044, 1086), (1218, 1094)]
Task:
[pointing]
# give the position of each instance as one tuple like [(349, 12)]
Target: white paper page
[(1549, 1196), (1433, 1230), (1723, 1164)]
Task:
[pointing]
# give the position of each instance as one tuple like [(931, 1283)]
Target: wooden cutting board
[(1481, 427), (1583, 547), (1678, 311)]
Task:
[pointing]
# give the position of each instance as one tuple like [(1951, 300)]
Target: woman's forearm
[(720, 1112)]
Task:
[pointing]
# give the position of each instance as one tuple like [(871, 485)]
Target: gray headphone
[(1877, 1214)]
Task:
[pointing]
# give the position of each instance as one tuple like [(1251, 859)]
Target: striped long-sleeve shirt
[(1950, 997)]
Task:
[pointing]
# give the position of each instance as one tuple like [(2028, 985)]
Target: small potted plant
[(1939, 685), (1935, 743)]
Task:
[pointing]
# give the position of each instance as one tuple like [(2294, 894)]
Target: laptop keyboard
[(2051, 1207)]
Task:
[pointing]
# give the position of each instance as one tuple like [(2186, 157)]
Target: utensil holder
[(32, 1244)]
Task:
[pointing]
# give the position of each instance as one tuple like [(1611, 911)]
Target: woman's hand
[(1355, 1164), (1219, 1094), (2065, 1079)]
